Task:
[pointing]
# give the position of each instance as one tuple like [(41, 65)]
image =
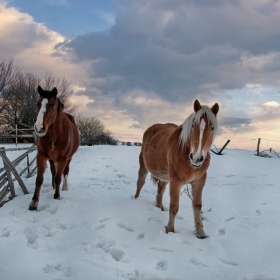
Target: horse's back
[(73, 130), (70, 118), (158, 133)]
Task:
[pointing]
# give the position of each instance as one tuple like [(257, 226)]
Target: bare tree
[(7, 72), (90, 128), (19, 95), (12, 101)]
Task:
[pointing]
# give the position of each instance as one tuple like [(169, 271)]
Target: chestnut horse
[(57, 140), (179, 155)]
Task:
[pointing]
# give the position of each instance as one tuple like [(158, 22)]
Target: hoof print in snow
[(162, 265), (222, 231), (128, 228), (140, 236), (258, 212)]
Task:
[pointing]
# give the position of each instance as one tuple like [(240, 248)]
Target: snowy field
[(98, 231)]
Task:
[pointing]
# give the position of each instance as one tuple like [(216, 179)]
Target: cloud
[(234, 122), (32, 45), (268, 111), (185, 49), (158, 57)]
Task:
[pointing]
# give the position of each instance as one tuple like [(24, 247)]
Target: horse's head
[(200, 129), (48, 106)]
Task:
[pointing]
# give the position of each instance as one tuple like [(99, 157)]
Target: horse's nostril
[(201, 159), (191, 156)]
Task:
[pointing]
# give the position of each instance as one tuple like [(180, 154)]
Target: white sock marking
[(40, 117), (65, 184)]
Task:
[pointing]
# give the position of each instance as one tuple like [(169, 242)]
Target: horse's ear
[(40, 90), (54, 92), (215, 109), (196, 105)]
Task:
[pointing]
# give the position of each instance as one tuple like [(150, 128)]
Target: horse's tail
[(154, 179)]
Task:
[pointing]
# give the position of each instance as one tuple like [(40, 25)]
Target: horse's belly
[(161, 175)]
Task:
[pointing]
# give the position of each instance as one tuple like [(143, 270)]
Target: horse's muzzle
[(196, 163), (40, 132)]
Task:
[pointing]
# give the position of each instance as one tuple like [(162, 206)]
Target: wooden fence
[(9, 174), (13, 135)]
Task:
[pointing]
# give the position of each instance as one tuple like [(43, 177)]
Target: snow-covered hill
[(98, 231)]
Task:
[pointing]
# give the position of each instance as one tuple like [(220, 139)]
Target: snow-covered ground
[(98, 231)]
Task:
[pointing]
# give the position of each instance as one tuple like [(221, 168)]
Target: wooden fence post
[(220, 152), (28, 170), (13, 170), (16, 136), (9, 175), (258, 147)]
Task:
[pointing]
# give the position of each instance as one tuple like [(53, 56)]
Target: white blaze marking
[(40, 117), (198, 152)]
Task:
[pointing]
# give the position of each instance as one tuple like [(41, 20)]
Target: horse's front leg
[(174, 205), (53, 171), (57, 179), (197, 187), (41, 167)]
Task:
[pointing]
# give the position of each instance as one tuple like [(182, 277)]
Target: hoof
[(56, 197), (169, 230), (202, 237), (201, 234), (32, 208)]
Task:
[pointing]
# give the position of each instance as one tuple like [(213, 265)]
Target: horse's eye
[(212, 128), (192, 126), (51, 106)]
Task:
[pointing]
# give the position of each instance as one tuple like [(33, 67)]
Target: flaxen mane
[(194, 118)]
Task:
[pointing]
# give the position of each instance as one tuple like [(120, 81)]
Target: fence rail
[(18, 133), (9, 174)]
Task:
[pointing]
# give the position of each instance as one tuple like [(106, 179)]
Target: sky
[(136, 63), (98, 231)]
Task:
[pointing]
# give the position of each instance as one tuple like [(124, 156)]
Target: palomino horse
[(57, 140), (179, 155)]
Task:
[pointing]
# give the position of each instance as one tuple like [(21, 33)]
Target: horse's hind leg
[(65, 176), (142, 174), (161, 189), (57, 179), (197, 188)]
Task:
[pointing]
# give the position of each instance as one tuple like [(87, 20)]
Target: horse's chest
[(51, 150)]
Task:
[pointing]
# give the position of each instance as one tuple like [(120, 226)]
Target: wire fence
[(263, 146)]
